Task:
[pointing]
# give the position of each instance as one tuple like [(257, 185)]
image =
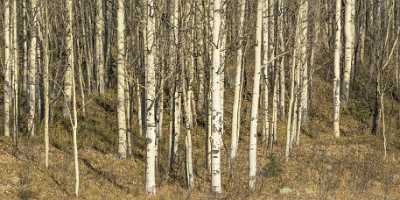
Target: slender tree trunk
[(150, 101), (100, 46), (74, 129), (217, 94), (266, 46), (349, 30), (291, 119), (255, 99), (72, 116), (46, 81), (238, 86), (303, 13), (121, 80), (282, 75), (68, 73), (32, 70), (337, 59), (16, 64)]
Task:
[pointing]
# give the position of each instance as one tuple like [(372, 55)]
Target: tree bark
[(349, 32), (122, 150), (217, 94), (337, 59), (255, 100), (150, 100)]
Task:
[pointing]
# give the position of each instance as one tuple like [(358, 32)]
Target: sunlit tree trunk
[(150, 100), (33, 68), (349, 32), (100, 46), (15, 71), (266, 46), (177, 98), (238, 85), (337, 59), (291, 119), (255, 99), (68, 74), (121, 79), (46, 80), (217, 94), (303, 13), (282, 84)]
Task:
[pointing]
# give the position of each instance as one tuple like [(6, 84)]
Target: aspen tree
[(46, 79), (75, 128), (188, 97), (275, 74), (303, 14), (68, 74), (25, 48), (122, 149), (15, 71), (349, 30), (100, 45), (150, 100), (177, 98), (238, 85), (217, 93), (282, 85), (72, 113), (290, 120), (255, 99), (32, 69), (266, 46), (337, 58)]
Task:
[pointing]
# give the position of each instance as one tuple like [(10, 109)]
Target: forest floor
[(321, 167)]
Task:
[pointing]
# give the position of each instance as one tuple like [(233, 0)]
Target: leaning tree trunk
[(150, 101)]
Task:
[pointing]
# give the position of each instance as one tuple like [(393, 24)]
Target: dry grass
[(322, 167)]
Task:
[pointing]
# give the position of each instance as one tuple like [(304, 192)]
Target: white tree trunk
[(122, 149), (303, 13), (265, 42), (255, 100), (100, 46), (282, 75), (32, 70), (349, 32), (238, 86), (337, 59), (72, 116), (15, 71), (74, 129), (68, 73), (290, 120), (217, 94), (46, 82), (150, 101)]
